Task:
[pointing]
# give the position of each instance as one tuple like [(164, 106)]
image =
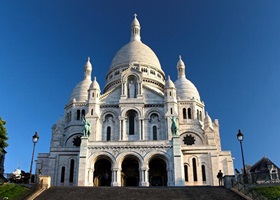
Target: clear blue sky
[(231, 50)]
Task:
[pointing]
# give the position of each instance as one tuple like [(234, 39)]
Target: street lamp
[(35, 139), (240, 138)]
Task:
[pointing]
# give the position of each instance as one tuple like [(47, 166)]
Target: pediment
[(151, 95), (113, 96)]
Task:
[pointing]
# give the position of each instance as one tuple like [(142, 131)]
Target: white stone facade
[(131, 143)]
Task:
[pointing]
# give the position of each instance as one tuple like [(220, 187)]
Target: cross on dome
[(135, 29)]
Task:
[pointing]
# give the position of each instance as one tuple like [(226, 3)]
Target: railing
[(249, 192)]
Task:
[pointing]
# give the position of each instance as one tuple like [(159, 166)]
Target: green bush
[(268, 191), (13, 191)]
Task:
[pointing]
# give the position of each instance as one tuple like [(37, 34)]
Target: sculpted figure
[(87, 127), (174, 126), (131, 88)]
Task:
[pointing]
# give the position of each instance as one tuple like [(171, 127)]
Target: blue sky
[(230, 48)]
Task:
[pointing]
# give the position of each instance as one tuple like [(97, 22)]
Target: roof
[(261, 165)]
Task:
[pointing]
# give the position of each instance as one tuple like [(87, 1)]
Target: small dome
[(88, 64), (208, 121), (207, 118), (135, 21), (186, 89), (169, 83), (94, 84), (80, 92), (60, 121), (180, 63)]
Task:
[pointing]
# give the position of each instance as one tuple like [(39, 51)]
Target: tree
[(3, 134)]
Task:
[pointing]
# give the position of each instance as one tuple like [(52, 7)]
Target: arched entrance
[(130, 171), (157, 172), (102, 172)]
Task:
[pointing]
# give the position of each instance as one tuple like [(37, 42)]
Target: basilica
[(143, 129)]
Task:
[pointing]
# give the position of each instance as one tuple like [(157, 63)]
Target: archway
[(102, 172), (157, 172), (130, 171)]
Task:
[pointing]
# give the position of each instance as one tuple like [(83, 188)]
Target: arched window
[(91, 112), (189, 113), (108, 133), (203, 173), (184, 113), (171, 111), (131, 123), (83, 113), (194, 169), (170, 94), (71, 175), (200, 115), (186, 173), (62, 174), (78, 114), (197, 114), (93, 94), (70, 116), (154, 133)]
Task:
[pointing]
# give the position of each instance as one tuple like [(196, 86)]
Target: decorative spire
[(87, 70), (181, 68), (135, 29)]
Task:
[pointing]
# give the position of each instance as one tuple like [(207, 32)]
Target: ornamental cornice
[(131, 147)]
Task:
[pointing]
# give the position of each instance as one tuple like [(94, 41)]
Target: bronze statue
[(174, 125), (87, 127)]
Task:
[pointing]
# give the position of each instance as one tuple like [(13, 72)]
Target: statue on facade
[(174, 126), (87, 127), (131, 89)]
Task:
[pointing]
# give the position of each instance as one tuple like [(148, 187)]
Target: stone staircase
[(135, 193)]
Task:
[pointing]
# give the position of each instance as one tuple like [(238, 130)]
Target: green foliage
[(3, 134), (270, 192), (13, 191)]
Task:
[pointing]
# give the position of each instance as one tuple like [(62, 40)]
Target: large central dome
[(135, 51), (139, 56)]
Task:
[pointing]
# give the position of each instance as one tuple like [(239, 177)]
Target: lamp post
[(35, 139), (240, 138)]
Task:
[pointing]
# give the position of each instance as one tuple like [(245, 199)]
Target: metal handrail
[(247, 191)]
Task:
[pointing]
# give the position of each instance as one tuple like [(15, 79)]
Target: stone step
[(134, 193)]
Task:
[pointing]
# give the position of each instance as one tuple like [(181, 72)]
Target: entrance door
[(157, 172), (102, 173), (130, 172)]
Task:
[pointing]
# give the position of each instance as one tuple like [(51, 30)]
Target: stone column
[(144, 177), (147, 177), (90, 177), (116, 179), (121, 129)]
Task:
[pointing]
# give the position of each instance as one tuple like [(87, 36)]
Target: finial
[(168, 77), (180, 57), (88, 59), (95, 78), (135, 15)]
